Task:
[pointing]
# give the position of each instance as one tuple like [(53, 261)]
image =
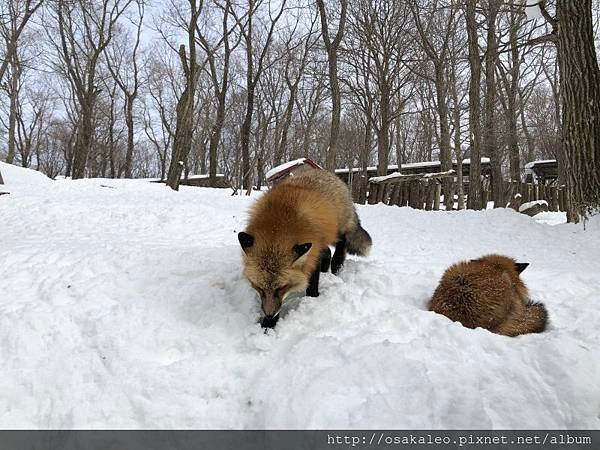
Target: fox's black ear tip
[(246, 240), (520, 267)]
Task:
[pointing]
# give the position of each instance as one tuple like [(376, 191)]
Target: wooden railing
[(424, 191), (519, 193)]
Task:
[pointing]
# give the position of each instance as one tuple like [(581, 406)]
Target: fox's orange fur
[(310, 208), (488, 293)]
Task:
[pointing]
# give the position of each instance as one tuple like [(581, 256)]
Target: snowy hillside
[(122, 305)]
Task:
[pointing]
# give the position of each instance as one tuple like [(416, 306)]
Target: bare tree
[(295, 67), (518, 73), (124, 68), (255, 65), (379, 39), (30, 130), (85, 30), (490, 138), (161, 76), (435, 38), (185, 104), (573, 34), (13, 87), (332, 45), (458, 94), (15, 14), (218, 55), (309, 103), (475, 199), (580, 98)]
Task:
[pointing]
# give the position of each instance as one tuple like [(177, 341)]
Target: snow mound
[(123, 305), (18, 179)]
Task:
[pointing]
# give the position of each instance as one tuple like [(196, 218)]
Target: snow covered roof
[(416, 165), (398, 175), (532, 164), (281, 171), (190, 177), (284, 166)]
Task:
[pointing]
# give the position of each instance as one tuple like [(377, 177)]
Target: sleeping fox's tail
[(533, 320)]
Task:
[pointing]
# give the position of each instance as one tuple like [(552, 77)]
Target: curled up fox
[(291, 226), (489, 293)]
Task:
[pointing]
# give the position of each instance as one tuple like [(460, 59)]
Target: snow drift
[(122, 305)]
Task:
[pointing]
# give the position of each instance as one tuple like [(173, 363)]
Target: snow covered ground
[(122, 305)]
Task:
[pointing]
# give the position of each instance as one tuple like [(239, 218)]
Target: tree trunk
[(245, 140), (83, 141), (383, 135), (475, 194), (184, 130), (129, 122), (528, 138), (580, 98), (445, 153), (215, 137), (490, 144), (366, 149), (111, 135), (12, 118), (332, 46), (457, 142), (336, 110), (511, 110), (260, 158), (286, 124), (183, 137)]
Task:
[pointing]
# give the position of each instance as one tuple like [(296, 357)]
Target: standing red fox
[(286, 242), (488, 293)]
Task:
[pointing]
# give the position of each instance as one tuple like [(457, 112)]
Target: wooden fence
[(518, 193), (424, 191)]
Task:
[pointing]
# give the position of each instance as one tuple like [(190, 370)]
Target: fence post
[(362, 197), (555, 206), (394, 195), (381, 191), (437, 195), (562, 199), (373, 188), (429, 195)]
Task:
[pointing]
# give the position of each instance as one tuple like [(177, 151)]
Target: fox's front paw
[(336, 267), (312, 293)]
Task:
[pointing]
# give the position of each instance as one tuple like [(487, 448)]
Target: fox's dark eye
[(281, 290), (301, 249)]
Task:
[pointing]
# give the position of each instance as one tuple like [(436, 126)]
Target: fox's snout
[(270, 304)]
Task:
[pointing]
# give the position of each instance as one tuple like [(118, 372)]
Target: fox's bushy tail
[(533, 320), (358, 241)]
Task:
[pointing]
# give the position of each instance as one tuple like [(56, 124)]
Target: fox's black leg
[(325, 260), (339, 256), (313, 284)]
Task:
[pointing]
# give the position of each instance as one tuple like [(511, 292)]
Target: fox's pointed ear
[(246, 240), (520, 267), (301, 250)]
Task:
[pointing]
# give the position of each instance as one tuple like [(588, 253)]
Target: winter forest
[(132, 88), (173, 256)]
